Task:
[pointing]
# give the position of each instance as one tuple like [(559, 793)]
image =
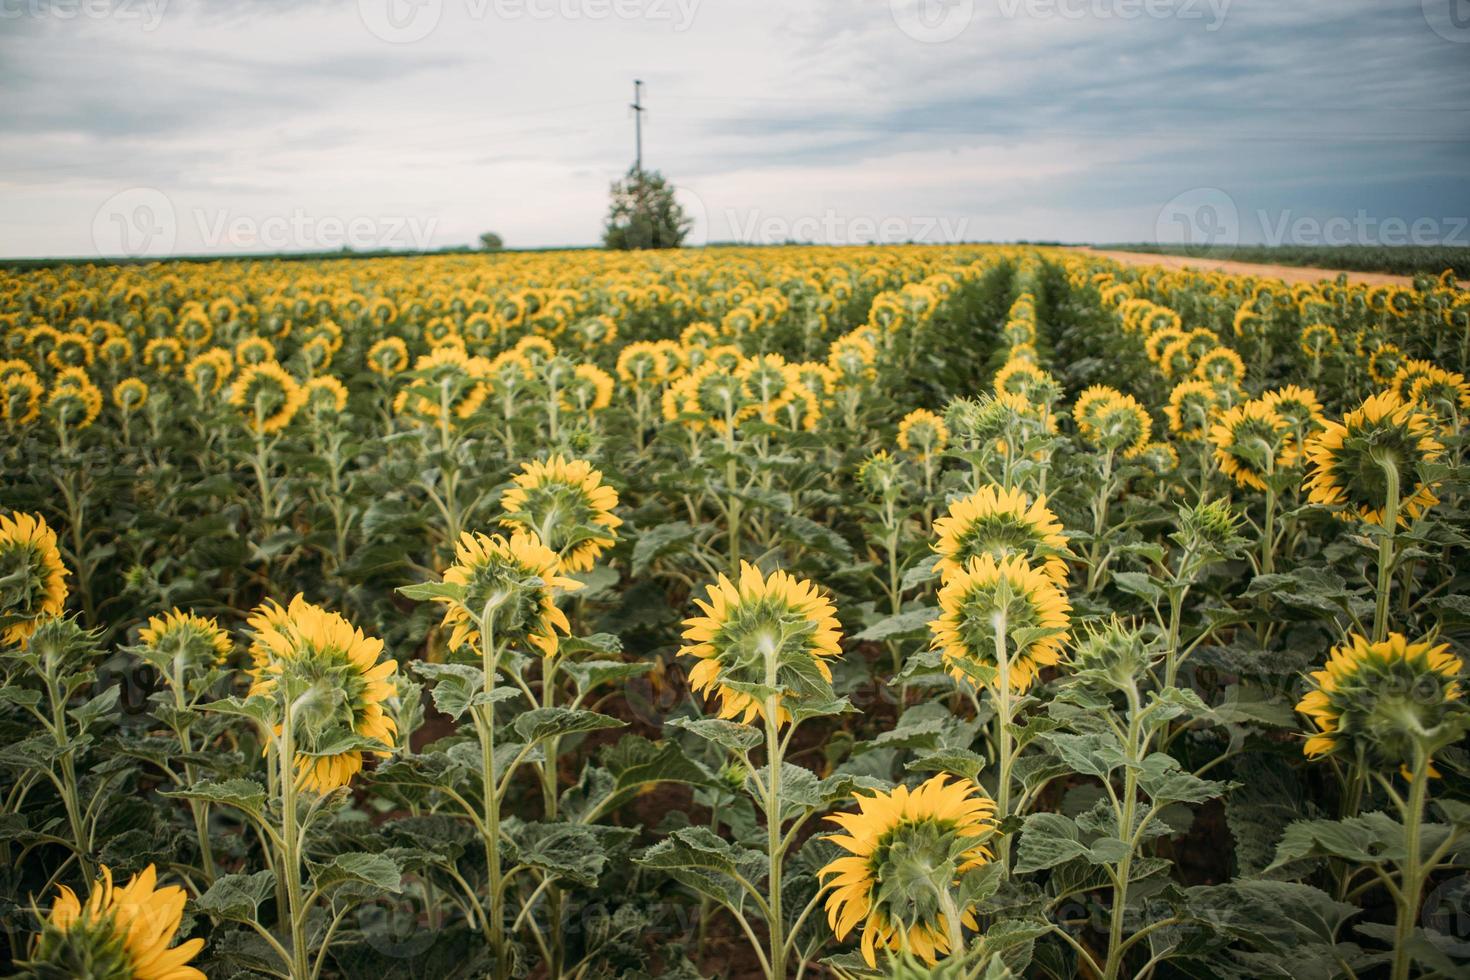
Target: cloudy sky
[(216, 126)]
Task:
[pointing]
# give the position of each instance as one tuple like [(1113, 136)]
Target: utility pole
[(638, 125)]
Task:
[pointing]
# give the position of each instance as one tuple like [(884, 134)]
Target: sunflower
[(1018, 377), (119, 934), (208, 372), (331, 674), (568, 507), (1443, 394), (1001, 523), (1191, 405), (181, 641), (446, 375), (23, 395), (1317, 339), (130, 394), (32, 577), (766, 639), (73, 399), (268, 396), (388, 356), (922, 433), (324, 394), (1252, 443), (1376, 697), (590, 389), (164, 355), (516, 580), (1112, 420), (1348, 460), (972, 603), (1384, 363), (1220, 366), (904, 850)]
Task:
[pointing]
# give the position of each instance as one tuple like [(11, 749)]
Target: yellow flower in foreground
[(904, 849), (972, 603), (768, 633), (119, 934), (1349, 460), (516, 579), (331, 674), (568, 507), (1377, 696), (32, 577)]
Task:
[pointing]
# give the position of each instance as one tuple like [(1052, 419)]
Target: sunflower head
[(1009, 597), (1001, 523), (388, 356), (1113, 655), (906, 852), (119, 933), (565, 504), (1253, 444), (763, 642), (181, 645), (32, 577), (129, 395), (1109, 419), (511, 584), (922, 433), (1350, 461), (267, 395), (332, 680), (1377, 701), (881, 475)]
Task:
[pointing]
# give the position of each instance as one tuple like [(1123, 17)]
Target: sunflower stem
[(1003, 710), (1411, 876), (1386, 549), (291, 848), (484, 715)]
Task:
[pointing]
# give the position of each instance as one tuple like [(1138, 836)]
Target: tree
[(644, 213), (491, 242)]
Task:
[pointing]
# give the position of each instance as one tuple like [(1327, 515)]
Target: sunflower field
[(957, 611)]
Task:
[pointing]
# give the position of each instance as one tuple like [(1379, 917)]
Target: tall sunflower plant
[(523, 689), (762, 646)]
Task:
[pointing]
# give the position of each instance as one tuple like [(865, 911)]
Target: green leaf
[(1164, 782), (237, 898), (899, 625), (1368, 839), (1094, 755), (426, 591), (726, 734), (589, 674), (375, 871), (697, 858), (659, 542), (242, 794), (543, 723), (1047, 840), (961, 762), (569, 851)]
